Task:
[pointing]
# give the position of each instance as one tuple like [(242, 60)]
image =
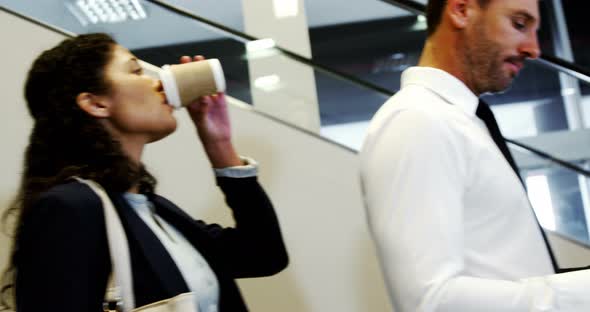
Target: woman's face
[(137, 104)]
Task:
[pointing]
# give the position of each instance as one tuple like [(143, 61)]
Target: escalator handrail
[(299, 58), (549, 157), (564, 66), (552, 62), (385, 92), (408, 4)]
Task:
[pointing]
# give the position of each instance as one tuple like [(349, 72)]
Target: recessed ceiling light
[(106, 11)]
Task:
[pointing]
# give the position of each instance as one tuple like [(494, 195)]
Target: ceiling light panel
[(108, 11)]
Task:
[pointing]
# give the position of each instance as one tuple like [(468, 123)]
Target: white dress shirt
[(195, 270), (450, 218)]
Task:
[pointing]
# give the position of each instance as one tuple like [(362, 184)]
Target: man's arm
[(414, 175)]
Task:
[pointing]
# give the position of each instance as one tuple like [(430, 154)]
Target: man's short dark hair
[(434, 12)]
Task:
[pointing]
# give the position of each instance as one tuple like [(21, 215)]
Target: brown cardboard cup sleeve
[(185, 83)]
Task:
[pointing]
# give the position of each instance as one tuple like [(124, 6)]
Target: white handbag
[(121, 286)]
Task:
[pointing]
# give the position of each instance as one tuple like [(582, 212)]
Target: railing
[(418, 8)]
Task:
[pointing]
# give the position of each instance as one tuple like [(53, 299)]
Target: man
[(449, 215)]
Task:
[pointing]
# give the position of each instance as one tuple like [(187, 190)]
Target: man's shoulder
[(414, 102), (411, 112), (415, 97)]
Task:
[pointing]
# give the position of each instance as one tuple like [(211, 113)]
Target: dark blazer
[(63, 260)]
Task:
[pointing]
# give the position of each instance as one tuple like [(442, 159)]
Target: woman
[(94, 111)]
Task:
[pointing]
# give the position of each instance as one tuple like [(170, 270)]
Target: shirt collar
[(443, 84), (139, 201)]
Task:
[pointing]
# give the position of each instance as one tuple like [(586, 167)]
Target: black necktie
[(485, 113)]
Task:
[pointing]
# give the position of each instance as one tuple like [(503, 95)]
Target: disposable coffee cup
[(185, 83)]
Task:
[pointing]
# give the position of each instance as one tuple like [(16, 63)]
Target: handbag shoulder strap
[(119, 250)]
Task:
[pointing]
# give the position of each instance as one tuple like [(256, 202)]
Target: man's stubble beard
[(484, 64)]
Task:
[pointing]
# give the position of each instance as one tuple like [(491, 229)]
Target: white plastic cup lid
[(170, 87), (217, 74)]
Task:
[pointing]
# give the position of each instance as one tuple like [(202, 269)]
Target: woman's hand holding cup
[(210, 116)]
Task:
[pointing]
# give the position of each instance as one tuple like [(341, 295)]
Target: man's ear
[(458, 12), (94, 105)]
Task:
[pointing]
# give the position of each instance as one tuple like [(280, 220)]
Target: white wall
[(313, 184), (15, 122), (568, 253)]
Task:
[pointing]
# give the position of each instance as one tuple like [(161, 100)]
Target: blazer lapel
[(150, 247), (188, 226)]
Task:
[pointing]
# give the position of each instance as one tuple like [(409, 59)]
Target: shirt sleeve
[(414, 172), (247, 170)]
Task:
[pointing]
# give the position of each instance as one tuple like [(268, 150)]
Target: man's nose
[(530, 47)]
